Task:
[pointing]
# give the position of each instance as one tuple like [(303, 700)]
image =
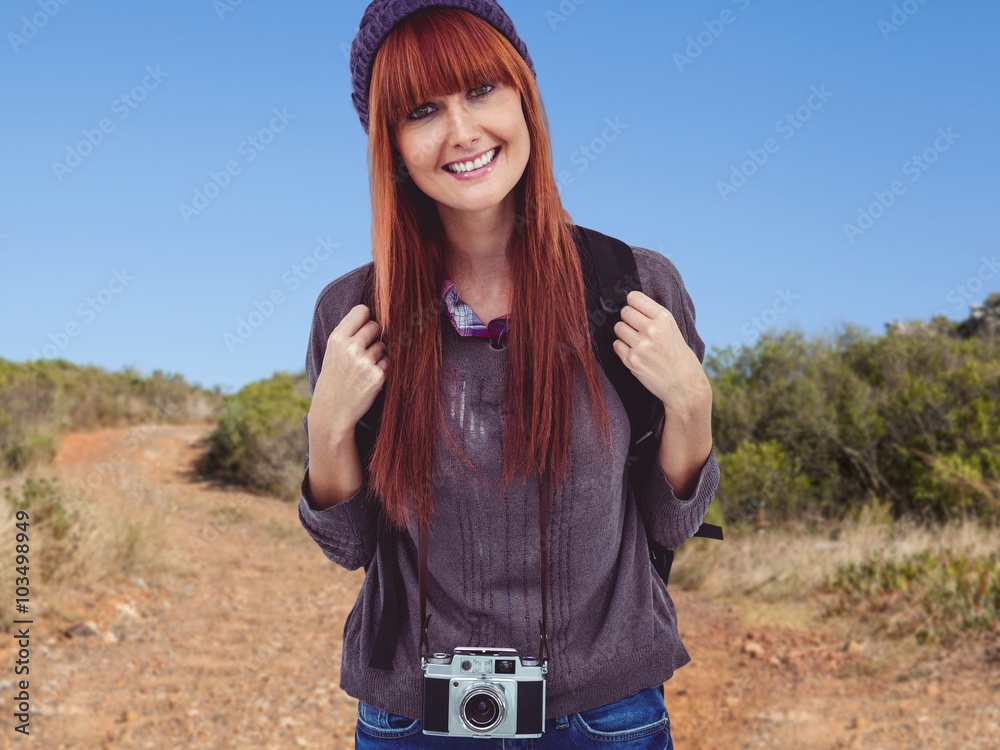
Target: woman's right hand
[(352, 374)]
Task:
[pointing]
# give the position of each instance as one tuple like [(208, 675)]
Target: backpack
[(610, 273)]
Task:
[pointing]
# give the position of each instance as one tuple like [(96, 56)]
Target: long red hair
[(432, 52)]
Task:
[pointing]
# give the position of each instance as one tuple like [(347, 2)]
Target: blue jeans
[(639, 722)]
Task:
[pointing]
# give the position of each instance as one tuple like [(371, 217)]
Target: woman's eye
[(478, 92), (413, 115)]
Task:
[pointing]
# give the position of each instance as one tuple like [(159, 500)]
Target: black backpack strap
[(610, 273)]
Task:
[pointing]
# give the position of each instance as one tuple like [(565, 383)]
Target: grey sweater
[(611, 623)]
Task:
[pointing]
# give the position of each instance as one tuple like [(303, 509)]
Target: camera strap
[(543, 527)]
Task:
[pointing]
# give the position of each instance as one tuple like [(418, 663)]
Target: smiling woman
[(461, 137), (514, 447)]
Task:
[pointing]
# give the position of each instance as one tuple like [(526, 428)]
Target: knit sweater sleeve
[(669, 519), (346, 532)]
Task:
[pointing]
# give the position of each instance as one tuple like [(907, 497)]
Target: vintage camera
[(484, 692)]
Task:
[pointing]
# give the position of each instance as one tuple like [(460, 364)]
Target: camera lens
[(482, 710), (466, 665)]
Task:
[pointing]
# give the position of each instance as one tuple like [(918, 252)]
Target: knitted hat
[(382, 15)]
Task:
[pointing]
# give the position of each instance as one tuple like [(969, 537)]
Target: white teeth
[(468, 166)]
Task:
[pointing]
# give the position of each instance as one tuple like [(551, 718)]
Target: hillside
[(230, 637)]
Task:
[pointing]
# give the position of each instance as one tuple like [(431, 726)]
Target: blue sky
[(751, 137)]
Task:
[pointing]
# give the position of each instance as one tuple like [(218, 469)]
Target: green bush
[(936, 597), (20, 452), (815, 428), (40, 399), (42, 499), (54, 528), (259, 440), (761, 475)]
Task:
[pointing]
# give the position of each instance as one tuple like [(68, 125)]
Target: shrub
[(20, 452), (761, 475), (41, 398), (936, 596), (813, 428), (259, 441), (55, 528)]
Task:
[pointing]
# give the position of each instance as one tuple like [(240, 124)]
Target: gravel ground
[(238, 644)]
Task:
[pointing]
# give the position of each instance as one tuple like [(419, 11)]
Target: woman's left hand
[(654, 350)]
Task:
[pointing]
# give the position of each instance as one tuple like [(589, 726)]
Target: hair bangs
[(435, 52)]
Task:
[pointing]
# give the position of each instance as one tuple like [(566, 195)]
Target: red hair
[(432, 52)]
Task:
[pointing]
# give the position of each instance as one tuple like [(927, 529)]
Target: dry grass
[(95, 541), (783, 566)]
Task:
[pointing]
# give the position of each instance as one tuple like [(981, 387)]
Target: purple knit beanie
[(382, 15)]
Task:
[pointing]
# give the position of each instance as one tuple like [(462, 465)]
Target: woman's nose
[(463, 125)]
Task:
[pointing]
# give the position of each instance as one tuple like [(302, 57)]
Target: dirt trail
[(238, 646)]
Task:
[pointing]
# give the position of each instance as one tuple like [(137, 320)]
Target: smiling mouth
[(459, 167)]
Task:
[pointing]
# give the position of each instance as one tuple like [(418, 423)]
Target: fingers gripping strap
[(610, 272)]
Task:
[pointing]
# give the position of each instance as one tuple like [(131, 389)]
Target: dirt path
[(238, 645)]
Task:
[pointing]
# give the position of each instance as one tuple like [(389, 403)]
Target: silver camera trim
[(503, 687), (491, 689)]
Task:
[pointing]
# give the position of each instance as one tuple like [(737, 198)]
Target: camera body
[(484, 692)]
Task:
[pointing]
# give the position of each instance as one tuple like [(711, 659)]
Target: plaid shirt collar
[(465, 320)]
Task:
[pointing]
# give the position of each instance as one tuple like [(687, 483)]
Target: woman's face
[(462, 127)]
